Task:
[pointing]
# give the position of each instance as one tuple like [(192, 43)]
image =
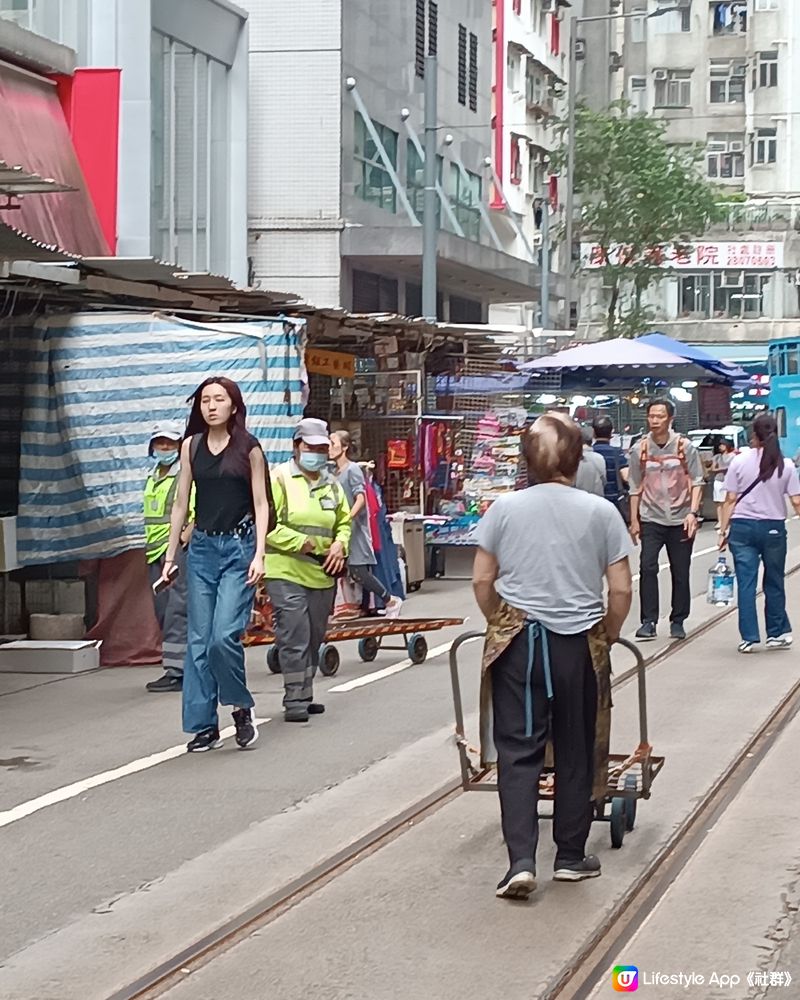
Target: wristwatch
[(695, 514)]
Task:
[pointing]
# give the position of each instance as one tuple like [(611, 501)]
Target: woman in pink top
[(754, 522)]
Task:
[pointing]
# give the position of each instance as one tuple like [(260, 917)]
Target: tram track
[(583, 973)]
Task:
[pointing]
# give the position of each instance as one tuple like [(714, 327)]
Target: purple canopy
[(623, 360)]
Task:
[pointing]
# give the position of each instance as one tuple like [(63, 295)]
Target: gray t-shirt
[(591, 475), (553, 545), (351, 479)]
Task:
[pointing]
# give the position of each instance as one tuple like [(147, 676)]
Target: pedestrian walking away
[(615, 487), (225, 560), (170, 603), (361, 561), (720, 464), (306, 552), (753, 523), (591, 473), (547, 648), (666, 489)]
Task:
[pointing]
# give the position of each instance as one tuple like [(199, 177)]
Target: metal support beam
[(443, 199), (511, 217), (487, 219), (429, 227)]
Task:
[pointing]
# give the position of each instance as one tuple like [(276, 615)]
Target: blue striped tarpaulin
[(97, 386)]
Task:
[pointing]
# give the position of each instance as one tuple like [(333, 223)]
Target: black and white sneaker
[(206, 739), (646, 631), (780, 641), (246, 728), (577, 871), (518, 882)]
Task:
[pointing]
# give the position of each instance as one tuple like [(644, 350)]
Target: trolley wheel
[(272, 660), (630, 804), (328, 660), (368, 648), (417, 648), (618, 821)]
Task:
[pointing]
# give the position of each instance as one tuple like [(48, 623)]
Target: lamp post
[(572, 105)]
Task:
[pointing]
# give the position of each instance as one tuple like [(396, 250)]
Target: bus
[(784, 369)]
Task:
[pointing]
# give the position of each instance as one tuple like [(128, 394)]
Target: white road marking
[(695, 555), (395, 668), (105, 777)]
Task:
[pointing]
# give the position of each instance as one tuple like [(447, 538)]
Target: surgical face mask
[(166, 457), (313, 461)]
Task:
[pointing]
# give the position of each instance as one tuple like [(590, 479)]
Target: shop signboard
[(703, 256), (334, 364)]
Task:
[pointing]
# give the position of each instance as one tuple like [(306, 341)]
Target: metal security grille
[(462, 64), (473, 72), (419, 38)]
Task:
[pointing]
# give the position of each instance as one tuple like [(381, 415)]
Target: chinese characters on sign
[(330, 363), (691, 256)]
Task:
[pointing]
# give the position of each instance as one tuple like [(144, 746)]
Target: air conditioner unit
[(732, 281), (715, 146), (736, 147), (660, 74), (638, 83), (738, 71)]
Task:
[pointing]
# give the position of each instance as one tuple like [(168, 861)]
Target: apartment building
[(336, 139), (723, 76)]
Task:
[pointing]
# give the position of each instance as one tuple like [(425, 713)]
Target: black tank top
[(222, 500)]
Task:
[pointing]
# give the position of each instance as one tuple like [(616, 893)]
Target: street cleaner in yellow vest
[(170, 604), (306, 552)]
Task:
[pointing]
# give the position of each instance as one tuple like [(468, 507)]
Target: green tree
[(642, 200)]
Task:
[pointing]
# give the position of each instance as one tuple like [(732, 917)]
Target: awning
[(34, 136)]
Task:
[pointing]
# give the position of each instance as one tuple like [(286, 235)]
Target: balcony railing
[(745, 217)]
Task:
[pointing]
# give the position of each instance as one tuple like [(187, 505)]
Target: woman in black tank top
[(226, 558)]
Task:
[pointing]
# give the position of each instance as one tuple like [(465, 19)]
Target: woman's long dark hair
[(236, 460), (765, 431)]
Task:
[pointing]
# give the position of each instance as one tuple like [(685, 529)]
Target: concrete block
[(70, 597), (48, 628)]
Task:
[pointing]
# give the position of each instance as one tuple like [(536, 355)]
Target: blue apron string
[(536, 631)]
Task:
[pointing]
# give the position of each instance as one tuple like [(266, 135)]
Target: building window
[(767, 4), (637, 93), (725, 155), (675, 21), (473, 72), (673, 88), (727, 80), (767, 69), (729, 18), (536, 85), (638, 22), (722, 295), (189, 223), (419, 35), (466, 198), (513, 70), (415, 181), (433, 28), (516, 160), (462, 65), (555, 35), (373, 293), (373, 182), (764, 146)]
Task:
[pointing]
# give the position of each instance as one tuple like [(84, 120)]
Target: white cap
[(171, 430), (312, 431)]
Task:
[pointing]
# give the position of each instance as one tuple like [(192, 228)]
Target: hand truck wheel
[(417, 648), (272, 660), (618, 821), (630, 804), (328, 660), (368, 648)]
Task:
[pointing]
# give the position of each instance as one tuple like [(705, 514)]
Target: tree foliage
[(642, 200)]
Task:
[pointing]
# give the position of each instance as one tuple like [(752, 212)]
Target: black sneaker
[(646, 631), (166, 683), (299, 714), (577, 871), (314, 708), (518, 882), (677, 631), (206, 739), (246, 728)]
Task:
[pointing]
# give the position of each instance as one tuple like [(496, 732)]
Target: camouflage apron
[(505, 624)]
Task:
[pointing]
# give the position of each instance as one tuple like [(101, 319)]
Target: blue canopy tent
[(700, 357)]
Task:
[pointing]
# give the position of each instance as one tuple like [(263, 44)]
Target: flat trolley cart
[(370, 633), (629, 778)]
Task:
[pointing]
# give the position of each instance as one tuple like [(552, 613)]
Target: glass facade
[(189, 91), (374, 184)]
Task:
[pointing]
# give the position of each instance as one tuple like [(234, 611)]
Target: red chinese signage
[(767, 256)]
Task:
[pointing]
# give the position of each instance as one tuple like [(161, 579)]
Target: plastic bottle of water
[(721, 584)]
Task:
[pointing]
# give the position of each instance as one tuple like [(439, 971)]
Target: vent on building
[(473, 72), (419, 32), (462, 64), (433, 28)]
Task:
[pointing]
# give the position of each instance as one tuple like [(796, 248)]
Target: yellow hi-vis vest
[(318, 511), (159, 496)]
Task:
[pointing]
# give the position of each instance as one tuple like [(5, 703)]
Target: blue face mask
[(166, 457), (313, 461)]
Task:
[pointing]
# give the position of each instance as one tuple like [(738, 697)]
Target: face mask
[(311, 461), (166, 457)]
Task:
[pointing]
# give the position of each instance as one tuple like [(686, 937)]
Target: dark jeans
[(753, 542), (679, 553), (569, 719)]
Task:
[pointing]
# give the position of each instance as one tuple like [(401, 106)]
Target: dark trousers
[(171, 612), (300, 622), (569, 719), (679, 553), (370, 584)]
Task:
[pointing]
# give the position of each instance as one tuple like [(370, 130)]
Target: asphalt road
[(79, 855)]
